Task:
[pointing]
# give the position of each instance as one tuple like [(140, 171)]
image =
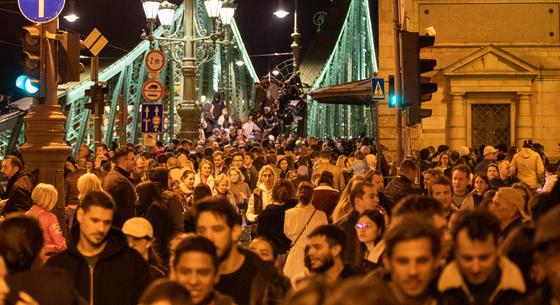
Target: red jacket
[(52, 234)]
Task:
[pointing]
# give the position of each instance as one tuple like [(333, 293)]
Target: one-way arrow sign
[(152, 121)]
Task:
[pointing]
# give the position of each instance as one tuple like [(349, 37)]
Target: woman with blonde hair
[(344, 206), (239, 187), (44, 198), (204, 175), (88, 183), (262, 194), (221, 189)]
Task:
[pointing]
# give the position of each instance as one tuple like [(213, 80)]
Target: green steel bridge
[(343, 52)]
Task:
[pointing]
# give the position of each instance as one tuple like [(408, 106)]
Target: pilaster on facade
[(457, 121), (525, 116)]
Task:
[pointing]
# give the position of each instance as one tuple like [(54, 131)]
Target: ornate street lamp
[(151, 8), (166, 13), (226, 13), (213, 7)]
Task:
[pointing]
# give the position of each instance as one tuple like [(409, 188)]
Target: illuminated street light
[(239, 63), (281, 12), (165, 13), (213, 7)]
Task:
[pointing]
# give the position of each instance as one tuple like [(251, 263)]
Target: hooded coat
[(120, 276), (160, 176), (529, 167)]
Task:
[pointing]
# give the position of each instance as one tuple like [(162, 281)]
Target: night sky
[(122, 21)]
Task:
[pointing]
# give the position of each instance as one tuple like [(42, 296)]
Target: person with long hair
[(262, 194), (185, 188), (156, 212), (221, 189), (370, 229), (298, 223), (270, 222), (284, 167), (239, 188), (480, 185), (204, 175), (344, 206)]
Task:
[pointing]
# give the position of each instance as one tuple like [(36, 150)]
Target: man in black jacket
[(17, 197), (479, 274), (118, 183), (402, 185), (104, 269), (243, 275)]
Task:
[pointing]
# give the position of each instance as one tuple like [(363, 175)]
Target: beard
[(227, 251), (327, 263)]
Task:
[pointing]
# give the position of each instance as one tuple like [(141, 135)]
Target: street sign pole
[(398, 79), (45, 150)]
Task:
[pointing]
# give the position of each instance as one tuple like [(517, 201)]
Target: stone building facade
[(498, 72)]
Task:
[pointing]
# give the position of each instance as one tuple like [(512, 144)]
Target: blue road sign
[(378, 89), (41, 11), (152, 121)]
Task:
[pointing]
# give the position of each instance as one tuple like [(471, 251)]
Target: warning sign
[(378, 89), (155, 60)]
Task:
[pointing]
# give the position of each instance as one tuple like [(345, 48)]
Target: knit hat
[(463, 151), (547, 227), (515, 197), (138, 227)]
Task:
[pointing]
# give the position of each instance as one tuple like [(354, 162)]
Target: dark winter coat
[(160, 176), (454, 290), (268, 287), (270, 223), (18, 192), (353, 252), (121, 189), (398, 188), (47, 286), (120, 276)]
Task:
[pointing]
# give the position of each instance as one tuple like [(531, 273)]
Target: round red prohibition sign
[(152, 90), (155, 60)]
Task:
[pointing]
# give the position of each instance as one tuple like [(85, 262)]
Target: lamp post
[(296, 47), (188, 109)]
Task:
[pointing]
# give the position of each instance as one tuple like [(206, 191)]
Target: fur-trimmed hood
[(511, 279)]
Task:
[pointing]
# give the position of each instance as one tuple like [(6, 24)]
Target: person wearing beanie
[(509, 206)]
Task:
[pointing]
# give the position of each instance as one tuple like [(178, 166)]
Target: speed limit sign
[(155, 60)]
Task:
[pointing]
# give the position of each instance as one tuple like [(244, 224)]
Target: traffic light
[(68, 55), (394, 100), (30, 80), (416, 89), (97, 94)]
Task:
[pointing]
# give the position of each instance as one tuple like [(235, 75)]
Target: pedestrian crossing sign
[(378, 89)]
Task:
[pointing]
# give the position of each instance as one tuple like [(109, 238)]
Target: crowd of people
[(284, 221), (270, 117)]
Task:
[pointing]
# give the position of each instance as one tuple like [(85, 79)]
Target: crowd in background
[(283, 221)]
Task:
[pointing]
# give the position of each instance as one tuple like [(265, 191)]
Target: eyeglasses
[(361, 226)]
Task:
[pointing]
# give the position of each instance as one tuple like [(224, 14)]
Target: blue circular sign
[(41, 11)]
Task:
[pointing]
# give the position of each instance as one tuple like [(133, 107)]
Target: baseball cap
[(489, 150), (138, 227), (515, 197), (547, 227)]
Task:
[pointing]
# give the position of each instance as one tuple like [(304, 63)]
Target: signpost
[(152, 90), (152, 121), (41, 11), (155, 60), (378, 89)]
